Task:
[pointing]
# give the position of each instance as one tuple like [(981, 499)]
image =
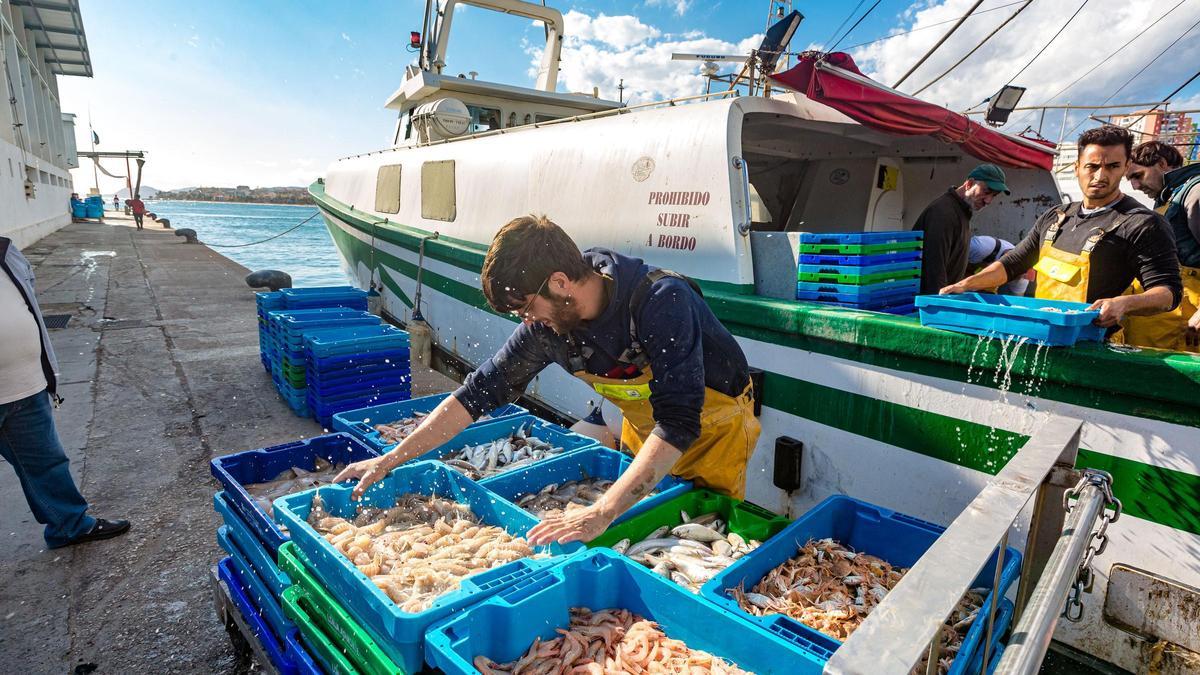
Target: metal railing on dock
[(907, 624)]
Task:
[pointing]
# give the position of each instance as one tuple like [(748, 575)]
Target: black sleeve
[(502, 378), (940, 225), (1155, 260), (668, 327), (1022, 257)]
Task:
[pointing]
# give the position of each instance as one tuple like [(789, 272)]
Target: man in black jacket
[(947, 226), (28, 440)]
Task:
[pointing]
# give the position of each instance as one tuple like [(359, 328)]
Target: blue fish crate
[(361, 367), (487, 432), (235, 590), (889, 237), (859, 260), (251, 549), (900, 304), (238, 470), (332, 364), (361, 422), (1003, 621), (324, 296), (327, 336), (1054, 323), (401, 634), (814, 291), (503, 627), (594, 462), (329, 345), (358, 384), (300, 655), (297, 399), (861, 270), (264, 602), (324, 411), (268, 301), (899, 539), (383, 388)]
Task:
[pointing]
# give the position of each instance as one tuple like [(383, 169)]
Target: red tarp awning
[(834, 80)]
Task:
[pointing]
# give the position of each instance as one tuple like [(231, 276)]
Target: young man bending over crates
[(641, 337), (1092, 251)]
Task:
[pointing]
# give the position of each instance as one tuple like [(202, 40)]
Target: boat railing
[(906, 624)]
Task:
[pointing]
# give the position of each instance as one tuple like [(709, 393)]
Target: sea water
[(307, 253)]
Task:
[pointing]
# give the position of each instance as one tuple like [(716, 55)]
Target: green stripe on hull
[(1091, 376), (1157, 494)]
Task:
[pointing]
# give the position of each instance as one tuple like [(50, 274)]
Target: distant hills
[(241, 193), (146, 192)]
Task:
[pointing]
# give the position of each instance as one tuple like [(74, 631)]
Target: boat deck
[(160, 371)]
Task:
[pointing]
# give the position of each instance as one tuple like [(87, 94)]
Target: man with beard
[(641, 337), (946, 223), (1093, 250), (1157, 169)]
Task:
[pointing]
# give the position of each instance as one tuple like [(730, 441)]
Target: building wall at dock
[(33, 139)]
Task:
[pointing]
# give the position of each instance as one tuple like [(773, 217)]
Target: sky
[(268, 93)]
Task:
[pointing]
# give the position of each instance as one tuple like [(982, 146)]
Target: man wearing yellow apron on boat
[(1157, 170), (641, 337), (1093, 250)]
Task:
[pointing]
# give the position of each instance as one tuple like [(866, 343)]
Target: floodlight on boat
[(709, 68), (1002, 103), (414, 39)]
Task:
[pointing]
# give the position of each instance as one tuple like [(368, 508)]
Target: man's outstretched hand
[(584, 524), (368, 472)]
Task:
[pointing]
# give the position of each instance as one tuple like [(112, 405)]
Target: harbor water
[(307, 253)]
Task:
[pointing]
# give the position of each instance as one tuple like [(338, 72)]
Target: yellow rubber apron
[(728, 430), (1165, 330), (1062, 275)]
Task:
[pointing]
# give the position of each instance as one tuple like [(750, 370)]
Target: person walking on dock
[(639, 336), (138, 208), (1092, 251), (946, 223), (1157, 170), (116, 203), (28, 439)]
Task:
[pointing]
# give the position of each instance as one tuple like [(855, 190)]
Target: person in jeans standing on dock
[(28, 440), (138, 208)]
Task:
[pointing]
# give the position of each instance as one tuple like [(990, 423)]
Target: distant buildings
[(241, 193), (1176, 128)]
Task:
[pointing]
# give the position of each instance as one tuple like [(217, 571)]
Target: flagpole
[(95, 162)]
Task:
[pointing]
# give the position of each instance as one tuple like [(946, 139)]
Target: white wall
[(27, 220)]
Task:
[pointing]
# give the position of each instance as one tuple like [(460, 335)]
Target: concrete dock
[(160, 371)]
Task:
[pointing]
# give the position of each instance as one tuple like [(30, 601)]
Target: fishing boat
[(717, 187)]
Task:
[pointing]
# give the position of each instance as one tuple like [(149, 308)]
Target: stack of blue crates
[(354, 367), (289, 358), (878, 271), (266, 302)]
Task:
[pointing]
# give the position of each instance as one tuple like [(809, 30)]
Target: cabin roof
[(422, 85)]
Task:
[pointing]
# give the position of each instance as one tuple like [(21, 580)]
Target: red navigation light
[(414, 39)]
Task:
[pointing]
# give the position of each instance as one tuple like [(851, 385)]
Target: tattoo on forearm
[(642, 489)]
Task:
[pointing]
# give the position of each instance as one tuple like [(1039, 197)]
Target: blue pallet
[(899, 539), (361, 422), (819, 291), (253, 549), (569, 441), (859, 260), (1011, 316), (266, 604), (594, 462), (401, 635), (859, 269), (260, 632), (860, 237), (257, 466), (503, 627)]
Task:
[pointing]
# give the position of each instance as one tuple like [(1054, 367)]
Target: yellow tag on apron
[(1059, 270)]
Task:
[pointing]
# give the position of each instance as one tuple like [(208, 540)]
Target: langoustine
[(419, 549), (833, 589), (610, 641)]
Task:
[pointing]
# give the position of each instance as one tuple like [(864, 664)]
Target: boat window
[(483, 119), (387, 189), (437, 190)]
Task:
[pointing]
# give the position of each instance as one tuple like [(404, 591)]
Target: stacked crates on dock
[(877, 271), (251, 587), (349, 368)]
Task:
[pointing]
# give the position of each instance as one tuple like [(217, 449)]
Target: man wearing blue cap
[(946, 223)]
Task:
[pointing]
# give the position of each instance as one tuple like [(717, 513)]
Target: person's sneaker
[(103, 529)]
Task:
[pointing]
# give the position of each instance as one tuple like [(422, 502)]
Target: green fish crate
[(337, 640), (860, 249), (836, 277), (746, 519)]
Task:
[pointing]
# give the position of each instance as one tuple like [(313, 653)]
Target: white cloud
[(346, 38), (602, 51), (1100, 28), (680, 6), (194, 41)]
